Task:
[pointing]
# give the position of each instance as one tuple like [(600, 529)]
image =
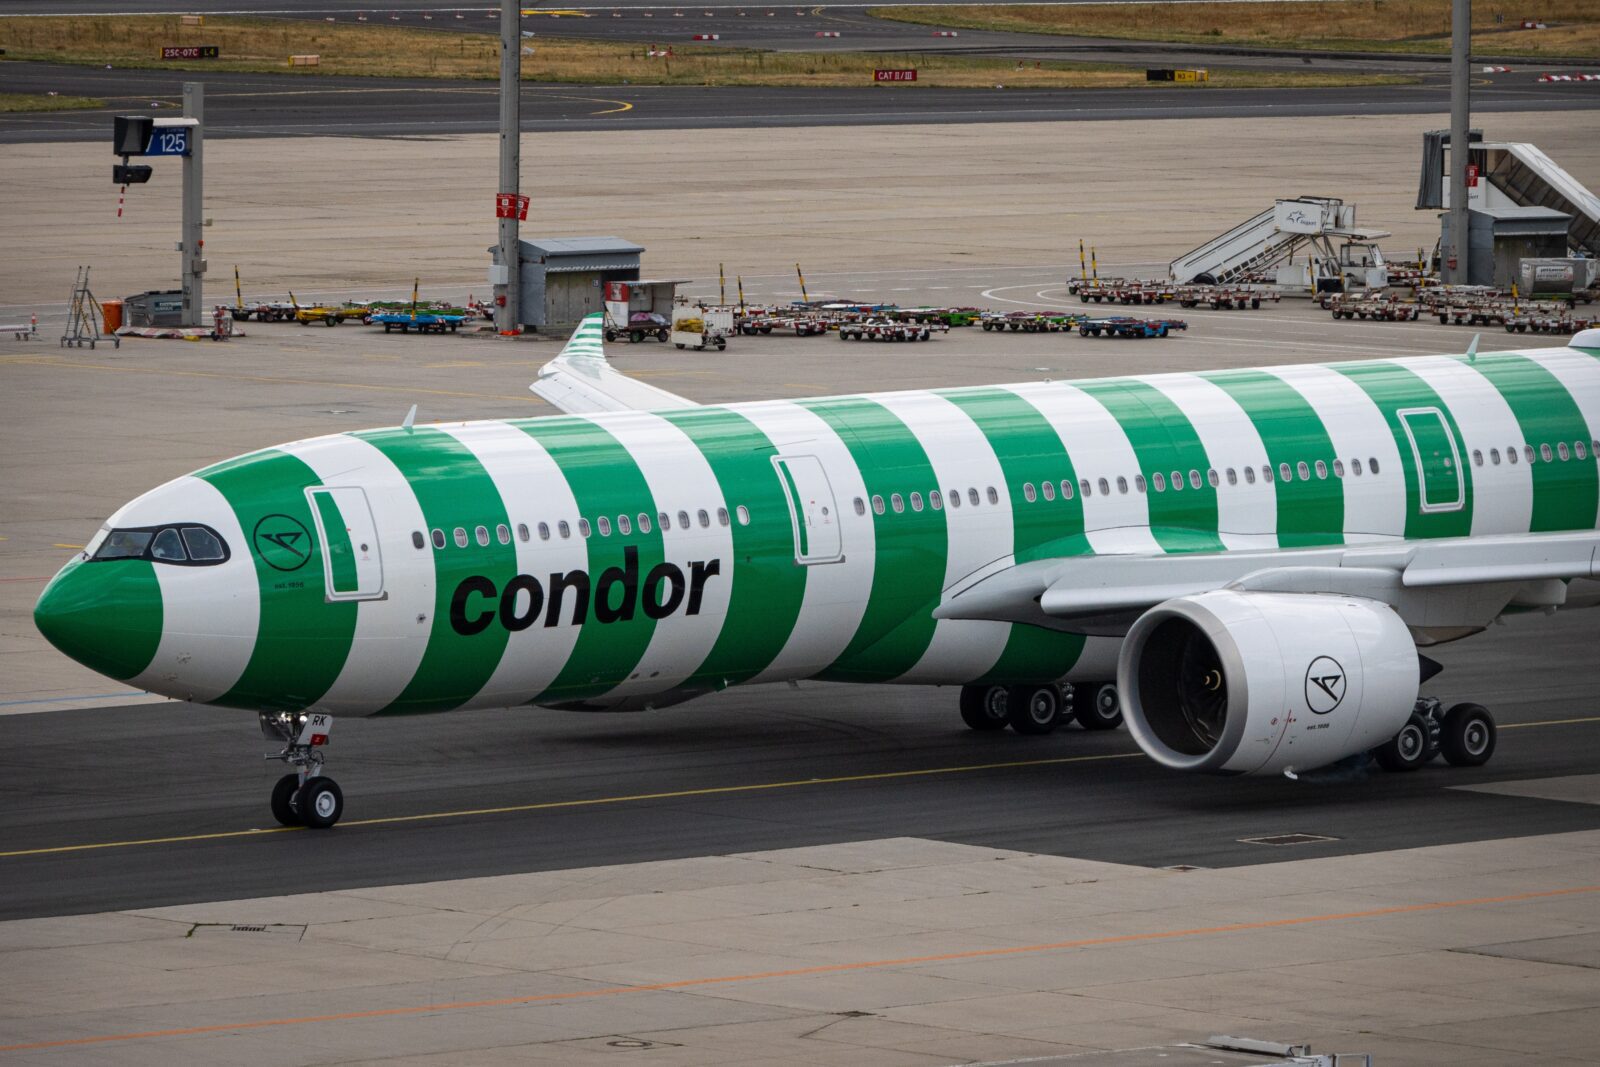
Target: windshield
[(188, 544)]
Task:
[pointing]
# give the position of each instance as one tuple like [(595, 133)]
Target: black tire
[(320, 803), (721, 344), (331, 320), (983, 707), (661, 335), (1097, 705), (1034, 709), (611, 335), (1468, 736), (283, 800), (1406, 750), (635, 336), (680, 348)]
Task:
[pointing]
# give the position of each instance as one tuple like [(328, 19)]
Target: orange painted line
[(800, 972), (45, 578)]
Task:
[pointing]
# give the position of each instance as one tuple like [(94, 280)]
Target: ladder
[(84, 316)]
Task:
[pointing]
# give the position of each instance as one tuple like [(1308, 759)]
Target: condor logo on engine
[(616, 596), (1324, 685)]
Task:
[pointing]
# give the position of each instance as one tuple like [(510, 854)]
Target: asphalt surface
[(761, 768), (265, 105)]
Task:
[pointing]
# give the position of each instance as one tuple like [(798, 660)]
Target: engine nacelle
[(1255, 683)]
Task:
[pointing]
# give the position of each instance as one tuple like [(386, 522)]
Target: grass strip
[(41, 102)]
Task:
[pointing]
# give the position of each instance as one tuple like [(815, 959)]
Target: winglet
[(1472, 349), (581, 380), (411, 419)]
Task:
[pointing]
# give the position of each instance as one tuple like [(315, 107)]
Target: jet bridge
[(1511, 174), (1270, 241)]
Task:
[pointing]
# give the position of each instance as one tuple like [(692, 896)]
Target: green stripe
[(106, 616), (302, 641), (1392, 388), (768, 586), (453, 489), (604, 480), (341, 554), (909, 564), (1164, 440), (1309, 512), (1030, 451), (1565, 494)]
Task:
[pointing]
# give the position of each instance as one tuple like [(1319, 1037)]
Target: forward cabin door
[(351, 561), (817, 536), (1440, 481)]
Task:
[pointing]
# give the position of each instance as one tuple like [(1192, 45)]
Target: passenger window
[(861, 506), (1105, 487), (502, 533), (1285, 474), (461, 537), (1048, 489), (1194, 479), (1029, 493), (167, 546), (683, 520), (1266, 474), (1085, 488), (1561, 450), (972, 497), (916, 501), (1303, 470), (1177, 481), (1372, 464), (1512, 456), (583, 527), (203, 544), (994, 497), (1233, 476), (1138, 482), (418, 540), (1338, 468), (877, 504), (1355, 465), (1527, 453), (522, 532), (1212, 477), (438, 538), (1494, 457), (664, 521), (644, 522), (483, 535), (743, 515), (937, 501), (544, 532), (1477, 457), (1122, 484), (604, 526), (1578, 447), (897, 502), (1322, 469), (563, 529), (1250, 475), (705, 520), (1544, 453), (722, 516), (1160, 481), (624, 524), (955, 498), (1066, 489)]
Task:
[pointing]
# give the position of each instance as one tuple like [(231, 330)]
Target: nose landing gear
[(304, 797)]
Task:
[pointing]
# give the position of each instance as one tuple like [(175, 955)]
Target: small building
[(564, 279), (1499, 240)]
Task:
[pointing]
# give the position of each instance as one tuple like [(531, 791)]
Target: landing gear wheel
[(1034, 709), (1468, 736), (983, 707), (1097, 705), (320, 803), (1408, 749), (283, 800)]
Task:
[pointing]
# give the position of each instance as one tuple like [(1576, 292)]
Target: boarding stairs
[(1269, 239), (1523, 174)]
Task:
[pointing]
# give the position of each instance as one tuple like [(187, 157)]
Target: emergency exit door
[(817, 537), (352, 564)]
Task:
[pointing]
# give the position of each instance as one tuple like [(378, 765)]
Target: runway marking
[(53, 362), (550, 805), (612, 111), (806, 972)]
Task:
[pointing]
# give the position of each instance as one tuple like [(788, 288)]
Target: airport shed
[(1501, 238), (564, 278)]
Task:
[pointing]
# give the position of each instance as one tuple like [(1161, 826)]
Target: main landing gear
[(304, 797), (1463, 735), (1040, 709)]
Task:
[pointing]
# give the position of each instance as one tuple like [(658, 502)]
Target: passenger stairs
[(1267, 240), (1524, 175)]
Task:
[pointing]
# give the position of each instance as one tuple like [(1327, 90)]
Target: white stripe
[(1099, 448), (389, 639), (533, 490), (1502, 493), (209, 615), (1247, 511), (976, 537), (836, 594), (1580, 375), (1374, 507), (679, 479)]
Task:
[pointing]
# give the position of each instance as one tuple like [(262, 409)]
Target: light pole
[(1460, 153), (506, 316)]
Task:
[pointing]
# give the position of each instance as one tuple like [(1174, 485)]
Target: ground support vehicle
[(1224, 297), (942, 316), (1137, 292), (1030, 321), (1475, 313), (641, 325), (269, 311), (1548, 320), (421, 321), (1128, 326), (755, 322), (1379, 307), (332, 316), (1097, 291), (701, 328), (887, 330)]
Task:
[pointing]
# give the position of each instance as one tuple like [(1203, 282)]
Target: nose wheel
[(305, 796)]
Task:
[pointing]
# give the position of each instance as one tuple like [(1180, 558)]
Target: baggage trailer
[(421, 321), (888, 330), (1031, 321), (1224, 297), (1128, 326), (701, 328), (1378, 307)]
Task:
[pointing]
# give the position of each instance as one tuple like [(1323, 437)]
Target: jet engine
[(1230, 682)]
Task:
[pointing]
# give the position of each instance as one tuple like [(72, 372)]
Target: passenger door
[(817, 536), (351, 561), (1441, 484)]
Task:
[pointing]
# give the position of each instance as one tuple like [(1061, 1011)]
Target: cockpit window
[(185, 544)]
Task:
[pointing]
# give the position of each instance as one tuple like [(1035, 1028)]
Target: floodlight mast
[(193, 243), (1455, 268), (506, 311)]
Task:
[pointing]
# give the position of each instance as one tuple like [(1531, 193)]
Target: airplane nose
[(107, 616)]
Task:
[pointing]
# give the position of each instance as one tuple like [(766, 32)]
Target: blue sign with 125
[(169, 141)]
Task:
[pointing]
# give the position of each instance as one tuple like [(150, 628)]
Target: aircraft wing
[(1434, 584), (580, 381)]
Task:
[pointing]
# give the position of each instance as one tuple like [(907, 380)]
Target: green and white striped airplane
[(1244, 562)]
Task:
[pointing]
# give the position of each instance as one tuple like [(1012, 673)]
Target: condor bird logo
[(1324, 685), (282, 542)]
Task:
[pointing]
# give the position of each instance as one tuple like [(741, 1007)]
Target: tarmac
[(845, 941)]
